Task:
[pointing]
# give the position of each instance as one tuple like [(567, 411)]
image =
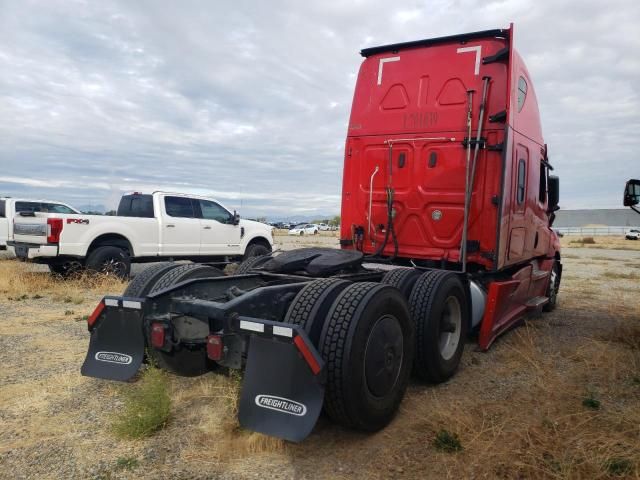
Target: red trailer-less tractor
[(447, 208)]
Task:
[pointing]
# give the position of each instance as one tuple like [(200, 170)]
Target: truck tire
[(310, 306), (145, 280), (251, 263), (552, 289), (256, 250), (65, 269), (109, 260), (368, 326), (402, 278), (188, 271), (440, 311)]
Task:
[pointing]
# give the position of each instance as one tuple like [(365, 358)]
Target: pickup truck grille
[(31, 229)]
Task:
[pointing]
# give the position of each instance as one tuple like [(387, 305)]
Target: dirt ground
[(558, 397)]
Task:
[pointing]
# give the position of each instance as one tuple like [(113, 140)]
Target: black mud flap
[(281, 395), (116, 348)]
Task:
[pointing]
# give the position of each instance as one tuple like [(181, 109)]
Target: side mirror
[(554, 193), (632, 193), (236, 218)]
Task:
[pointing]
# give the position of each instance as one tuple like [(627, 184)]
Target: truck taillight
[(157, 335), (214, 347), (54, 229)]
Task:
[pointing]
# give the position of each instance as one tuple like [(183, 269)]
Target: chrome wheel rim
[(450, 328)]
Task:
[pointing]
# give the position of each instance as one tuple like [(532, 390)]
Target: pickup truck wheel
[(143, 282), (251, 263), (440, 311), (256, 250), (367, 343), (310, 306), (109, 260), (65, 269)]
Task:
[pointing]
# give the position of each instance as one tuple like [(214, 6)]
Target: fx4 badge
[(280, 404), (81, 221), (114, 357)]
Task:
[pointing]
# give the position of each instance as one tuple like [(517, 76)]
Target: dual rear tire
[(373, 335)]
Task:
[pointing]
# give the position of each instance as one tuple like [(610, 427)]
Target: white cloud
[(250, 100)]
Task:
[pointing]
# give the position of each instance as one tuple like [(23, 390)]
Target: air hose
[(389, 229)]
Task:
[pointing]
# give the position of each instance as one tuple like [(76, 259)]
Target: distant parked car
[(304, 229), (632, 234), (323, 227)]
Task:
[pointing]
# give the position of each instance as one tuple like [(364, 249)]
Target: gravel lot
[(518, 404)]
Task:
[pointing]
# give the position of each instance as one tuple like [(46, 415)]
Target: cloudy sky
[(249, 101)]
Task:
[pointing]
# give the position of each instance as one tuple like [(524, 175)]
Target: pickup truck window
[(2, 209), (179, 207), (44, 207), (213, 211), (136, 206)]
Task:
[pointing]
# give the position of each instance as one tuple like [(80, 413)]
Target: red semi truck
[(447, 209)]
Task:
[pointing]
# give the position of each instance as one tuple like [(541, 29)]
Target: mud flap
[(116, 348), (281, 396)]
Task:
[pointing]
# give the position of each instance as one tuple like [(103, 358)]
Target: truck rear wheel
[(367, 343), (402, 278), (251, 263), (185, 272), (145, 280), (552, 289), (440, 311), (109, 260), (310, 306)]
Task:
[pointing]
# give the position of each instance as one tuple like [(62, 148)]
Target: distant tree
[(111, 213), (91, 212), (335, 221), (261, 219)]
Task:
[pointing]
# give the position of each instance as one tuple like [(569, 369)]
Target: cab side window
[(179, 207), (522, 92), (213, 211), (522, 177)]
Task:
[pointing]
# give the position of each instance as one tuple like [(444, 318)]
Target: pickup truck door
[(180, 227), (218, 234)]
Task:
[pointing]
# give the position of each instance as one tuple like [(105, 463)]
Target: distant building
[(611, 217)]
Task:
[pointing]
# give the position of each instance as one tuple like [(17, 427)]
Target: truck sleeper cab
[(447, 208)]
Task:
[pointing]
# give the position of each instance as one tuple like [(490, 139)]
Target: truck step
[(536, 302), (539, 275)]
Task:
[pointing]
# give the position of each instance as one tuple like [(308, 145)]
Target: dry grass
[(210, 406), (19, 282), (605, 241), (622, 275), (543, 430)]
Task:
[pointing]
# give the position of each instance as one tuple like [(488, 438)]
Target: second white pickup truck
[(147, 228)]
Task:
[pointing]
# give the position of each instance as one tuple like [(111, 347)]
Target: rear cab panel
[(406, 131)]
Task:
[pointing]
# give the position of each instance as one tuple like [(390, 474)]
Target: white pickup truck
[(147, 227), (10, 207)]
